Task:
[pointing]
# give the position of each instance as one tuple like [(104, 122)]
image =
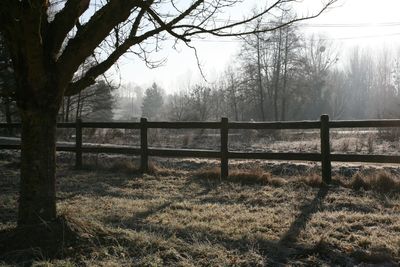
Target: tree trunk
[(285, 78), (37, 201), (259, 76), (277, 76), (62, 115), (78, 108), (7, 111), (67, 109)]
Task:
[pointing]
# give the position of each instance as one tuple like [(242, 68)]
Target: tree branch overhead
[(170, 24)]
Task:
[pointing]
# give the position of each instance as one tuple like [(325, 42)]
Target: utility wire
[(329, 25), (313, 25), (324, 39)]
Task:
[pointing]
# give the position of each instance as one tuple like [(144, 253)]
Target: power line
[(351, 25), (365, 36), (324, 39), (327, 25), (316, 25)]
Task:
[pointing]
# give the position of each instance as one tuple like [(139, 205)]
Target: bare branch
[(93, 33), (63, 22), (168, 28), (197, 61), (219, 31), (91, 75)]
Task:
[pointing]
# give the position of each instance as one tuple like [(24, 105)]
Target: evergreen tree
[(102, 103), (152, 102)]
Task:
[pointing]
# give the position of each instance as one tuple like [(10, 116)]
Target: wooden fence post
[(144, 156), (224, 148), (78, 143), (325, 150)]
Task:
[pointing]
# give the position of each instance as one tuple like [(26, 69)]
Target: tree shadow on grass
[(306, 212), (183, 193), (286, 250), (99, 183), (276, 251)]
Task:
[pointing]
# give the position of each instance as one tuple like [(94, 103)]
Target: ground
[(183, 215)]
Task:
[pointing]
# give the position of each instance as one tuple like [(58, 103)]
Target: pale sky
[(365, 23)]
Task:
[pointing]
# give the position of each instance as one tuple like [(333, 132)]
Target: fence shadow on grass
[(306, 212)]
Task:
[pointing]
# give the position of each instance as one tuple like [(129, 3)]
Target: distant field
[(183, 215)]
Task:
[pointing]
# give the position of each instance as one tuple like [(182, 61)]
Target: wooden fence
[(324, 125)]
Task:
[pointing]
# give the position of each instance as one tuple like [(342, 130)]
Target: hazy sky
[(367, 23)]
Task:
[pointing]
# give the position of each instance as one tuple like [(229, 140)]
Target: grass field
[(188, 217)]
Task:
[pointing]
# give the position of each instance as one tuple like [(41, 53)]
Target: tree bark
[(7, 111), (259, 76), (285, 77), (37, 201), (277, 76), (68, 107)]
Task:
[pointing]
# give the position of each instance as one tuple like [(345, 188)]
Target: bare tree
[(177, 106), (232, 84), (360, 80), (47, 50), (336, 86), (318, 57)]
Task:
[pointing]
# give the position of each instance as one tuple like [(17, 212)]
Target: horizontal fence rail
[(324, 125), (365, 124), (275, 125)]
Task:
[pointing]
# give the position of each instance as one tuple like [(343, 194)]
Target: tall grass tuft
[(382, 182), (357, 183), (253, 176)]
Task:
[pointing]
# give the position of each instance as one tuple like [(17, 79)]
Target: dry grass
[(123, 165), (174, 217), (313, 180), (381, 182), (252, 176)]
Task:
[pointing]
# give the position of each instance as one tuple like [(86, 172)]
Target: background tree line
[(285, 75), (279, 75), (282, 75)]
